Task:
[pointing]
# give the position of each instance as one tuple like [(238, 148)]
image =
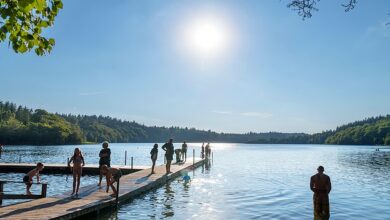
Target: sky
[(227, 66)]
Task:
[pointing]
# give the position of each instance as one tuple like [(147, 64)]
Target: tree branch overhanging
[(305, 8)]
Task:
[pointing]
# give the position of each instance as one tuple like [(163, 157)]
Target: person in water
[(78, 163), (184, 151), (105, 159), (28, 178), (321, 186), (112, 175), (169, 150), (186, 178), (153, 156)]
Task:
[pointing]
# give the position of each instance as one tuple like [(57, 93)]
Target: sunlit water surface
[(243, 181)]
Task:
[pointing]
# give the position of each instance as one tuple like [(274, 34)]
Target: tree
[(305, 8), (22, 22)]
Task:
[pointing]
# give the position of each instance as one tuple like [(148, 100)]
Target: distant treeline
[(370, 131), (21, 125)]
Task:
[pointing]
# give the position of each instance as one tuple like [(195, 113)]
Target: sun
[(207, 37)]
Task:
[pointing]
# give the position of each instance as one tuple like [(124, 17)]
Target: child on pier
[(153, 156), (28, 178), (78, 163), (112, 176)]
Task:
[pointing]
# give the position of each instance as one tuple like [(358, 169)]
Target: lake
[(242, 182)]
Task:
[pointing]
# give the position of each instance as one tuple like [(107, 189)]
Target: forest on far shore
[(20, 125)]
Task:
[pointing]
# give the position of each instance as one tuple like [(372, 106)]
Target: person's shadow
[(142, 179)]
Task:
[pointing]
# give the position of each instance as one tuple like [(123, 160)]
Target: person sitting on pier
[(105, 159), (112, 176), (78, 163), (153, 156), (28, 178), (169, 150), (184, 151), (178, 155), (207, 149)]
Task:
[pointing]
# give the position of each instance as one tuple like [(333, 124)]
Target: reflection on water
[(256, 182), (59, 154), (272, 182), (57, 184), (168, 210)]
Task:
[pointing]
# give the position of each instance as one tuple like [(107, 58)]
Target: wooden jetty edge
[(92, 169), (91, 199)]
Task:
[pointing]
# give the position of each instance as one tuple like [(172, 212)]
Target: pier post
[(125, 157), (44, 189), (1, 192), (117, 194), (67, 164), (20, 158), (131, 162), (193, 157)]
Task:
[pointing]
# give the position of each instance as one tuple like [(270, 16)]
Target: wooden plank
[(92, 169), (19, 196), (92, 198)]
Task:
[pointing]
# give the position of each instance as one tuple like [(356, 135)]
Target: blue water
[(251, 181)]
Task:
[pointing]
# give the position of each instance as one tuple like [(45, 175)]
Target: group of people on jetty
[(320, 183), (113, 174)]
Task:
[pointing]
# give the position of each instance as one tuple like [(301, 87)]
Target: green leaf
[(52, 41), (40, 4), (22, 48), (22, 21), (43, 24)]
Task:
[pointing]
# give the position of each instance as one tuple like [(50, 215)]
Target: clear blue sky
[(126, 59)]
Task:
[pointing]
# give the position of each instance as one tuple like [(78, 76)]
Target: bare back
[(33, 173), (320, 183)]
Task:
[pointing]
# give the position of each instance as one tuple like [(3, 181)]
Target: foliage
[(20, 125), (100, 128), (371, 131), (305, 8), (22, 23)]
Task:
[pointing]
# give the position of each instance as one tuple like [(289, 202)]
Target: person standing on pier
[(105, 159), (184, 151), (209, 150), (153, 156), (321, 186), (202, 152), (169, 151), (78, 163), (1, 150)]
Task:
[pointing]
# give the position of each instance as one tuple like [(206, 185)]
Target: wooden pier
[(62, 168), (92, 199)]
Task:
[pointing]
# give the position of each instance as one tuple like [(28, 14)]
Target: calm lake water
[(242, 182)]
